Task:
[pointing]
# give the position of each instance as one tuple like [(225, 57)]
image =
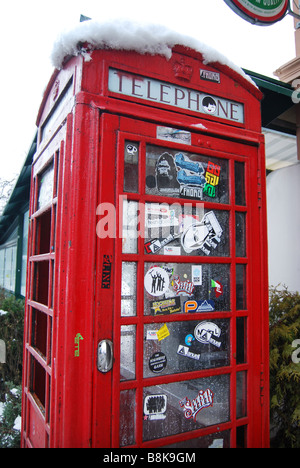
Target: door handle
[(105, 356)]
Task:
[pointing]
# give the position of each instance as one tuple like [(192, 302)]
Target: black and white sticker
[(155, 407), (208, 332)]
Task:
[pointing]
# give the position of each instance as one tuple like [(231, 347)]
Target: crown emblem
[(182, 70)]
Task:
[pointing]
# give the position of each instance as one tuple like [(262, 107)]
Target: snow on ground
[(129, 35)]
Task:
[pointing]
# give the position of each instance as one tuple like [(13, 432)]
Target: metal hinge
[(262, 384), (259, 189)]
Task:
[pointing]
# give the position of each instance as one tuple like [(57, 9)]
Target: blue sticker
[(189, 339), (199, 306)]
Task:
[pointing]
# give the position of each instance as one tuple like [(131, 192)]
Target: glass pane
[(131, 160), (41, 282), (241, 296), (24, 253), (173, 173), (176, 347), (43, 231), (39, 331), (50, 340), (240, 234), (49, 399), (241, 437), (185, 230), (128, 291), (186, 288), (241, 394), (241, 334), (130, 226), (46, 180), (217, 440), (127, 417), (239, 175), (187, 405), (10, 268), (2, 268), (53, 240), (56, 175), (52, 287), (127, 358), (38, 381)]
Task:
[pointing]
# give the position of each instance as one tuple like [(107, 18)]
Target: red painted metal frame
[(90, 133)]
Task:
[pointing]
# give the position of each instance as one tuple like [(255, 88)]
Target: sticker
[(161, 222), (217, 443), (186, 220), (78, 337), (155, 245), (184, 351), (170, 250), (166, 306), (182, 287), (203, 400), (212, 178), (190, 176), (208, 75), (163, 332), (166, 174), (197, 275), (159, 216), (151, 335), (155, 407), (204, 235), (189, 339), (218, 287), (208, 332), (199, 306), (173, 134), (209, 105), (157, 362), (185, 164), (106, 271), (156, 281), (131, 149)]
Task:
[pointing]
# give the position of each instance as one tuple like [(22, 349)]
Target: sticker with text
[(199, 306), (208, 333), (166, 306), (203, 400)]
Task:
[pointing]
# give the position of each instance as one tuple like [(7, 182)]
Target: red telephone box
[(147, 305)]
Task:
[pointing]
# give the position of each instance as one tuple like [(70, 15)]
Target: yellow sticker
[(163, 332)]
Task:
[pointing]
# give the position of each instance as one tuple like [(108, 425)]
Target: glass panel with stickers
[(191, 255), (173, 173), (184, 406)]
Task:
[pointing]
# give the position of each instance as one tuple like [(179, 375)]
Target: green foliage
[(11, 410), (284, 373), (11, 332)]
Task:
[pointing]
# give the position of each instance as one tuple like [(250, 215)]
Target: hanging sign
[(261, 12)]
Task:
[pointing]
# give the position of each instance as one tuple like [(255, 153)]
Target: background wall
[(283, 195)]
